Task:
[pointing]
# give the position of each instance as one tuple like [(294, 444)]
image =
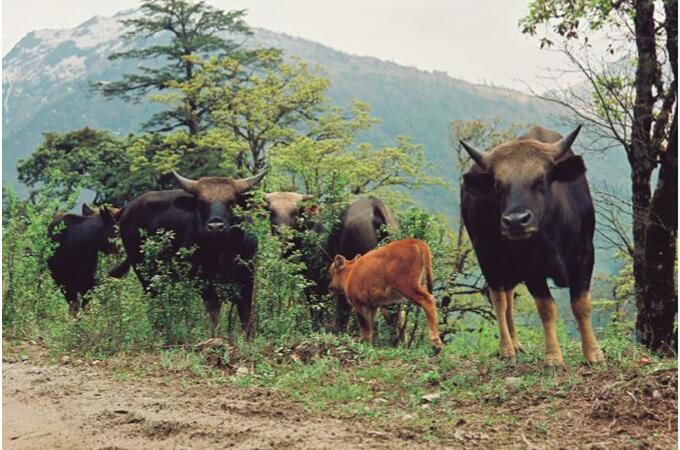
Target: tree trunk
[(658, 304), (642, 157), (641, 197), (192, 104)]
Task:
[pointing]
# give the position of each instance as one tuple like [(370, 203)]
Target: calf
[(383, 277), (78, 243)]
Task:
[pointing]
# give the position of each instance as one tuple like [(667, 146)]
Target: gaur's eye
[(538, 184)]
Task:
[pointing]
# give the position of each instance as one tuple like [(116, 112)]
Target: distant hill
[(45, 88)]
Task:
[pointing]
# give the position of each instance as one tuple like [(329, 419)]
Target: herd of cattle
[(525, 203)]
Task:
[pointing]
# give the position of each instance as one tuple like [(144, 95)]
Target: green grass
[(351, 379), (182, 361), (341, 376)]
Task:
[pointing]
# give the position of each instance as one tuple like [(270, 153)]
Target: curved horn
[(186, 184), (244, 184), (564, 144), (306, 197), (475, 154)]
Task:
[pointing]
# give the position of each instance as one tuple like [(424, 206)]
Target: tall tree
[(281, 117), (177, 32), (81, 159), (636, 109), (261, 109)]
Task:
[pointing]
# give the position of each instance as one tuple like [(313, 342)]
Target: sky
[(476, 40)]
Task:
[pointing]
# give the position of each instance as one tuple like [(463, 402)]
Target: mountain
[(46, 75)]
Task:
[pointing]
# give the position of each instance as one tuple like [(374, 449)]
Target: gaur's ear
[(568, 170), (185, 202), (339, 262), (478, 183), (106, 216), (313, 210), (115, 212), (87, 211), (73, 219)]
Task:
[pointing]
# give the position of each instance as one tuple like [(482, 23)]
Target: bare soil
[(78, 407), (85, 406)]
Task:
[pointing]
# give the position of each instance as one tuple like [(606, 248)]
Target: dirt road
[(80, 407), (106, 406)]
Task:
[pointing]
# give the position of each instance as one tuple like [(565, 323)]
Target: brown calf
[(385, 276)]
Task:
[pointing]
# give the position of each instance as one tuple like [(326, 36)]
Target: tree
[(325, 159), (635, 108), (281, 118), (260, 109), (82, 159), (181, 30)]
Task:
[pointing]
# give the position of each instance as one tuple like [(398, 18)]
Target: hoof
[(508, 360), (518, 347), (595, 358), (507, 353), (555, 363), (437, 346)]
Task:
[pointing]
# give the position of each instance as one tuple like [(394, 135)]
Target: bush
[(175, 308), (121, 317), (116, 321), (280, 309), (457, 285), (30, 299)]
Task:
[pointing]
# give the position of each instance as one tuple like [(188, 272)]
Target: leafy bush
[(457, 282), (116, 321), (279, 305), (175, 308), (30, 299)]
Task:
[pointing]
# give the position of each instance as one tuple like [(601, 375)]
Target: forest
[(288, 376)]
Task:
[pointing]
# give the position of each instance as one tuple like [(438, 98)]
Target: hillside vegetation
[(45, 88)]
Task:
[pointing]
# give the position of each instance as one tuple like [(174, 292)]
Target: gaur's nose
[(517, 222), (215, 225)]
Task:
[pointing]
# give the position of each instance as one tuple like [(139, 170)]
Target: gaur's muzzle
[(518, 224)]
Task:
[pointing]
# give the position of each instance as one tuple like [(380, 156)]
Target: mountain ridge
[(45, 88), (67, 58)]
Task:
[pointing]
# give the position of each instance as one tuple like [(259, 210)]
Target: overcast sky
[(477, 40)]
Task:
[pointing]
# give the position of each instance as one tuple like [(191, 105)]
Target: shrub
[(280, 310), (30, 299), (175, 308), (116, 321)]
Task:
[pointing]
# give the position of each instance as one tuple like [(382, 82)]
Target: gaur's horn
[(244, 184), (564, 144), (475, 154), (186, 184)]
